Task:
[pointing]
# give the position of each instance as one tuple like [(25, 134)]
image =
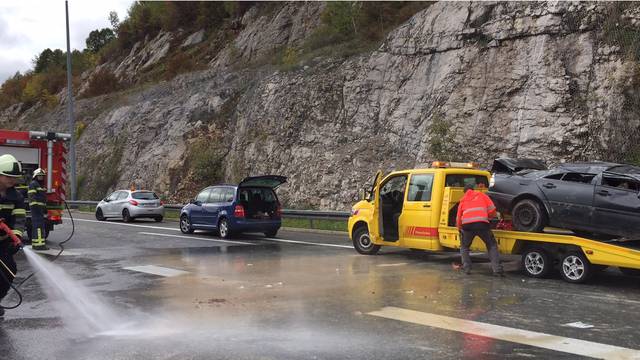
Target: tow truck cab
[(407, 208)]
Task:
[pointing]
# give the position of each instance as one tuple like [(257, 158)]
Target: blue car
[(250, 206)]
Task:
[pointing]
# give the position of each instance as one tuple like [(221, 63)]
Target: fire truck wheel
[(362, 242), (100, 215), (126, 217)]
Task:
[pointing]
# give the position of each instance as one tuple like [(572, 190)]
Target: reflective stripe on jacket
[(37, 194), (475, 207), (12, 210)]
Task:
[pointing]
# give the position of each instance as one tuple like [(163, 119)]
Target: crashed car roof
[(514, 165), (510, 165)]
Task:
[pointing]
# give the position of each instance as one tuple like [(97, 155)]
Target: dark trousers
[(482, 230), (37, 225), (5, 277)]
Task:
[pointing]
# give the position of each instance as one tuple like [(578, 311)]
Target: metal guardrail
[(290, 213)]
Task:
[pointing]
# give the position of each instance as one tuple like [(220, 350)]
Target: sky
[(29, 26)]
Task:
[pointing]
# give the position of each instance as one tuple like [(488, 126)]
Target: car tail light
[(279, 210), (133, 202), (161, 202), (238, 211)]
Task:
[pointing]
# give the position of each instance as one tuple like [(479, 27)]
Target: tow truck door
[(375, 227), (416, 228)]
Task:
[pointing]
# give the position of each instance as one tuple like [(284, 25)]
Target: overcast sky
[(29, 26)]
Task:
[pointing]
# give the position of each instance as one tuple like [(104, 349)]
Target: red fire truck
[(46, 150)]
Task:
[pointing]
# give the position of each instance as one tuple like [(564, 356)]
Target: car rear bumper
[(137, 211), (502, 201), (243, 225)]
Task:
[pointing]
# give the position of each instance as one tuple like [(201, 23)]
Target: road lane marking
[(197, 238), (389, 265), (309, 243), (270, 239), (123, 224), (54, 252), (157, 270), (525, 337)]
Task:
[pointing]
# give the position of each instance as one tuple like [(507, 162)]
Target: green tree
[(98, 39), (49, 59)]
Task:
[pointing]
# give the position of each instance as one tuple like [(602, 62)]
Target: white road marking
[(123, 224), (389, 265), (157, 270), (525, 337), (197, 238), (309, 243), (270, 239), (54, 252)]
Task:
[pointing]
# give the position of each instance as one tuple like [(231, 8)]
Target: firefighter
[(38, 206), (474, 214), (12, 210)]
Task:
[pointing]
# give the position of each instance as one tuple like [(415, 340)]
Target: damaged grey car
[(593, 199)]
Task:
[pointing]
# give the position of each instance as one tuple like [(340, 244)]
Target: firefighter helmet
[(9, 166), (39, 172)]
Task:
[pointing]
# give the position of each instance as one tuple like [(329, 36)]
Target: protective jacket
[(12, 210), (474, 207), (37, 194)]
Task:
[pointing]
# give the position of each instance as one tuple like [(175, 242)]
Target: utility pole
[(72, 123)]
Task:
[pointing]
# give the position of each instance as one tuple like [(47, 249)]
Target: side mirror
[(197, 203), (106, 199)]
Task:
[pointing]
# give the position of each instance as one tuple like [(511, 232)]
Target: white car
[(129, 205)]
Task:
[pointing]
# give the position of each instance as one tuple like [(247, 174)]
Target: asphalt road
[(304, 296)]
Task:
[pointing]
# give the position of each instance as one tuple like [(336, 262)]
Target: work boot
[(40, 247)]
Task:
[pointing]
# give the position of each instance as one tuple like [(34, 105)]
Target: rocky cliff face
[(541, 80)]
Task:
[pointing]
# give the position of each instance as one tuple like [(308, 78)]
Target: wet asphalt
[(268, 299)]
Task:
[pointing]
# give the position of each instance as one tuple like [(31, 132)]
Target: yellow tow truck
[(416, 209)]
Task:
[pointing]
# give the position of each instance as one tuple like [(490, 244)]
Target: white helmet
[(39, 172), (9, 166)]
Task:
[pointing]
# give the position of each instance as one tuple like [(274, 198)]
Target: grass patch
[(318, 224)]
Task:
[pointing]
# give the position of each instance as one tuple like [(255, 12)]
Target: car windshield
[(144, 195)]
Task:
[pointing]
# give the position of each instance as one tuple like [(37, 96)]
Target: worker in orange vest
[(474, 214)]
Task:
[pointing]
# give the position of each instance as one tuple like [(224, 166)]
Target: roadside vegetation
[(322, 224)]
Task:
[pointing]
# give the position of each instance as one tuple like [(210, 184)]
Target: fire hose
[(17, 243)]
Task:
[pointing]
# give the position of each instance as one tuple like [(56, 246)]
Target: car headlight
[(492, 181), (354, 212)]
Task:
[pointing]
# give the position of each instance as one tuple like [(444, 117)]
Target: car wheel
[(158, 218), (126, 216), (630, 272), (185, 225), (536, 262), (223, 228), (528, 216), (362, 242), (271, 233), (575, 268), (100, 215)]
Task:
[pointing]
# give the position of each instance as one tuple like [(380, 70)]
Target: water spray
[(17, 243)]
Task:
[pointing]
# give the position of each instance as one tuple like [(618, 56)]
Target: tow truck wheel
[(536, 262), (528, 216), (575, 268), (100, 215), (362, 242)]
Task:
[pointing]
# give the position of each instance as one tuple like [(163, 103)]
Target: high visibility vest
[(475, 207)]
